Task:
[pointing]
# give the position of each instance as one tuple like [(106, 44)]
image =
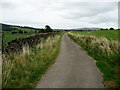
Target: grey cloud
[(119, 14), (103, 20), (59, 13), (87, 9), (7, 5)]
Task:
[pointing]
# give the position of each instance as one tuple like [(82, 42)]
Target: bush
[(25, 31), (14, 32), (21, 32)]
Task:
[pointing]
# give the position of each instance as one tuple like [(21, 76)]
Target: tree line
[(45, 30)]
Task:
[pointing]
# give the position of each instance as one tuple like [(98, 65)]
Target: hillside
[(11, 32), (6, 27)]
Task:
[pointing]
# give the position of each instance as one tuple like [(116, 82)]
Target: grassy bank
[(25, 69), (105, 52)]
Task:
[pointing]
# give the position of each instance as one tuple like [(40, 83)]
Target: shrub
[(14, 32), (21, 32)]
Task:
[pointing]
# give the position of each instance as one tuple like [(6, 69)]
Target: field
[(8, 36), (10, 32), (109, 34), (103, 47)]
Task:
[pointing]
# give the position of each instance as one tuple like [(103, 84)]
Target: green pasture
[(109, 34), (8, 36)]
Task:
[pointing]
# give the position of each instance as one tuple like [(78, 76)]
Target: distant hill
[(6, 27), (89, 28), (83, 29)]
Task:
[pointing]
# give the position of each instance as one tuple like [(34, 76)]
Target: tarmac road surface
[(73, 68)]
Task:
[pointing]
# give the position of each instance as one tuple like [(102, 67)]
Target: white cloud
[(60, 13)]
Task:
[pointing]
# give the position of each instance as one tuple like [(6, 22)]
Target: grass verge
[(24, 70), (106, 53)]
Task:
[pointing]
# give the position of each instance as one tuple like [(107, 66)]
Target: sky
[(64, 14)]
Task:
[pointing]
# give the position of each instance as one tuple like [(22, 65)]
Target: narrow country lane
[(73, 69)]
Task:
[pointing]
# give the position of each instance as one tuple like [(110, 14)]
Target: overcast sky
[(60, 13)]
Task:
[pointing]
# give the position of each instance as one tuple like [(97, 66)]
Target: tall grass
[(106, 53), (25, 69)]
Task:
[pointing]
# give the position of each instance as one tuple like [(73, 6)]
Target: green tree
[(48, 29), (111, 28)]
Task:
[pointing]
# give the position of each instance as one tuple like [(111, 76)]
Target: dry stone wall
[(16, 45)]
